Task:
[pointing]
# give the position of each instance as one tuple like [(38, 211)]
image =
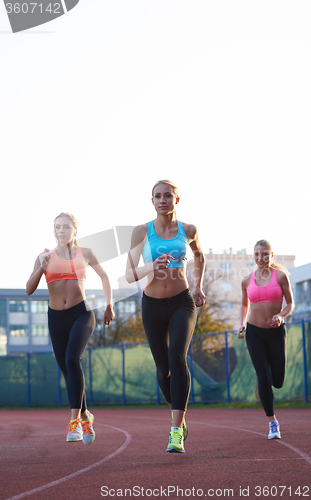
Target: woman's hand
[(108, 315), (276, 321), (44, 258), (240, 331), (162, 262), (199, 297)]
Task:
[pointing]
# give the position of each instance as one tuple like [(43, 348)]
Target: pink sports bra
[(272, 292), (59, 269)]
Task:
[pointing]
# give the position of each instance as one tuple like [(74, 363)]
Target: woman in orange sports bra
[(71, 322), (262, 297)]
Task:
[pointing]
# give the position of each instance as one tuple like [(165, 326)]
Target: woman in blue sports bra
[(168, 308), (262, 297)]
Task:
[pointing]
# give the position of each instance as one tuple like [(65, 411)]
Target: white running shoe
[(74, 431), (274, 430), (87, 428)]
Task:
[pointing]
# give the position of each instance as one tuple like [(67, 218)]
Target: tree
[(128, 329), (209, 350)]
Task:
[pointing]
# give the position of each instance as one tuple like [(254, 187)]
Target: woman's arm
[(93, 262), (284, 283), (244, 308), (39, 268), (199, 263), (133, 272)]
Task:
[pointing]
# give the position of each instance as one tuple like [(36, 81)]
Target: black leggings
[(169, 325), (267, 348), (70, 330)]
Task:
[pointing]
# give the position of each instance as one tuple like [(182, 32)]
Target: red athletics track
[(227, 454)]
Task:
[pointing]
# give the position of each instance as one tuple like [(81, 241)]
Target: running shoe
[(184, 427), (176, 442), (87, 428), (74, 431), (184, 430), (274, 430)]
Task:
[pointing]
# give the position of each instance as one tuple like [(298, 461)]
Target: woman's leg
[(181, 326), (79, 335), (70, 331), (257, 344), (277, 356), (156, 328)]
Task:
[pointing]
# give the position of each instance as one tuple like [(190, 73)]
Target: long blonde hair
[(72, 219), (267, 244)]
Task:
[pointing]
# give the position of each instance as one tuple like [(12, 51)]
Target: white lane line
[(268, 459), (280, 441), (82, 471)]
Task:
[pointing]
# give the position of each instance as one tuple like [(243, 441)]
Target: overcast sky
[(99, 104)]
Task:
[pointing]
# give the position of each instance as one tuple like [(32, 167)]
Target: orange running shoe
[(74, 431)]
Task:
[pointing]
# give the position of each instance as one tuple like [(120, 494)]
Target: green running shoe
[(184, 430), (176, 442), (184, 427)]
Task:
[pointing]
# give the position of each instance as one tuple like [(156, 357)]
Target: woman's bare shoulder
[(245, 281), (190, 230), (139, 234)]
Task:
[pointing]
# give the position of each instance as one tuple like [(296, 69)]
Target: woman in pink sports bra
[(70, 320), (262, 304)]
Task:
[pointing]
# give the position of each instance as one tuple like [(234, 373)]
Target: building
[(222, 281), (24, 322), (300, 278)]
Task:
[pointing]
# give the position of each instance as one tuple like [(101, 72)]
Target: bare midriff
[(261, 314), (167, 283), (66, 293)]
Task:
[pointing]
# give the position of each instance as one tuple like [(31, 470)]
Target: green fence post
[(28, 380), (304, 360), (123, 373), (227, 368)]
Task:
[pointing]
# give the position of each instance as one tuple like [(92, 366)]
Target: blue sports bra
[(176, 247)]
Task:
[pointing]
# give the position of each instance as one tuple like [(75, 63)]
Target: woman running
[(168, 308), (264, 290), (70, 320)]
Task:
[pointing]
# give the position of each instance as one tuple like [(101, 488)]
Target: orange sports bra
[(59, 269), (272, 292)]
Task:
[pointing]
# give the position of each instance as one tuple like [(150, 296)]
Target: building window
[(226, 306), (19, 306), (3, 343), (226, 287), (40, 334), (39, 306), (225, 266), (127, 307), (3, 314), (19, 330), (19, 335), (39, 330)]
